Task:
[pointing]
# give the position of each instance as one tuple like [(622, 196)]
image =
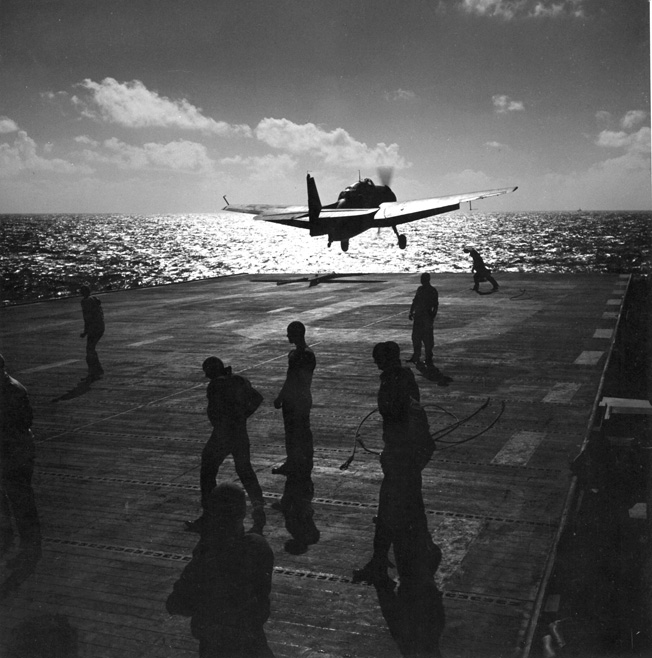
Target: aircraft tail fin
[(314, 204)]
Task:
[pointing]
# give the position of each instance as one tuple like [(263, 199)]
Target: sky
[(164, 106)]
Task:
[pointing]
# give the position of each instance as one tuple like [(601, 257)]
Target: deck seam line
[(277, 496), (322, 449), (286, 571)]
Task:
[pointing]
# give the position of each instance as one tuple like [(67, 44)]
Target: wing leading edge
[(400, 212)]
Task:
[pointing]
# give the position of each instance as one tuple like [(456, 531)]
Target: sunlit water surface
[(49, 256)]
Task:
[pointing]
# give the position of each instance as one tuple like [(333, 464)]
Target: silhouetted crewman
[(231, 400), (93, 331), (295, 399), (423, 313), (480, 271), (414, 613), (17, 455), (226, 586)]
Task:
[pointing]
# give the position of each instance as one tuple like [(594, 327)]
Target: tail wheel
[(402, 241)]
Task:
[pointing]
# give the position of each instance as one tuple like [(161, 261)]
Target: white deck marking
[(520, 448), (614, 302), (454, 537), (588, 358), (603, 333), (149, 340), (610, 315), (262, 330), (562, 392), (47, 366), (280, 310)]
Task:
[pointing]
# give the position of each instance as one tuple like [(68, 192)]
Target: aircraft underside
[(343, 230)]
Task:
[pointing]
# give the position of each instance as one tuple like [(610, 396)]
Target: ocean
[(50, 256)]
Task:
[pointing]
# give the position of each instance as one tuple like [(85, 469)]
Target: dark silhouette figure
[(414, 613), (231, 400), (17, 453), (423, 313), (295, 399), (480, 271), (93, 331), (226, 586)]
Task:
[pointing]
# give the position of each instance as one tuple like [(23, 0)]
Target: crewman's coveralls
[(480, 271), (423, 312), (296, 402), (417, 614), (228, 397), (93, 330)]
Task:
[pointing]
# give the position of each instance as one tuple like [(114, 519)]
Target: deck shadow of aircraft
[(80, 389), (322, 278)]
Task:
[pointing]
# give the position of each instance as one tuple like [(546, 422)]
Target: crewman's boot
[(375, 573), (280, 470)]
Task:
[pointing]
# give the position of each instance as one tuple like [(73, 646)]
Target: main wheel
[(345, 245), (402, 241)]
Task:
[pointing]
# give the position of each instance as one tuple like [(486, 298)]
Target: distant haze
[(140, 107)]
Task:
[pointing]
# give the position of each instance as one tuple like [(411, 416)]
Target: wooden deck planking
[(133, 442)]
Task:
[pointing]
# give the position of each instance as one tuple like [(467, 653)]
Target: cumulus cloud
[(633, 143), (7, 125), (633, 118), (400, 95), (497, 146), (618, 182), (266, 167), (335, 147), (23, 156), (132, 105), (181, 155), (513, 9), (504, 104), (88, 141)]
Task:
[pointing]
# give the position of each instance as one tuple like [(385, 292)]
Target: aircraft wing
[(299, 216), (296, 216), (400, 212)]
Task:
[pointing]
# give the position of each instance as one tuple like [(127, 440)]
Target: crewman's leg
[(428, 340), (92, 359), (375, 571), (417, 336), (213, 455), (17, 486), (242, 461)]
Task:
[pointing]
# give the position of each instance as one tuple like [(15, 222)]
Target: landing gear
[(402, 240), (345, 245)]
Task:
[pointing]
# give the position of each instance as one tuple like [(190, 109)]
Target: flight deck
[(117, 470)]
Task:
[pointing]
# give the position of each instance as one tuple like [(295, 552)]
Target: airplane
[(360, 207)]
